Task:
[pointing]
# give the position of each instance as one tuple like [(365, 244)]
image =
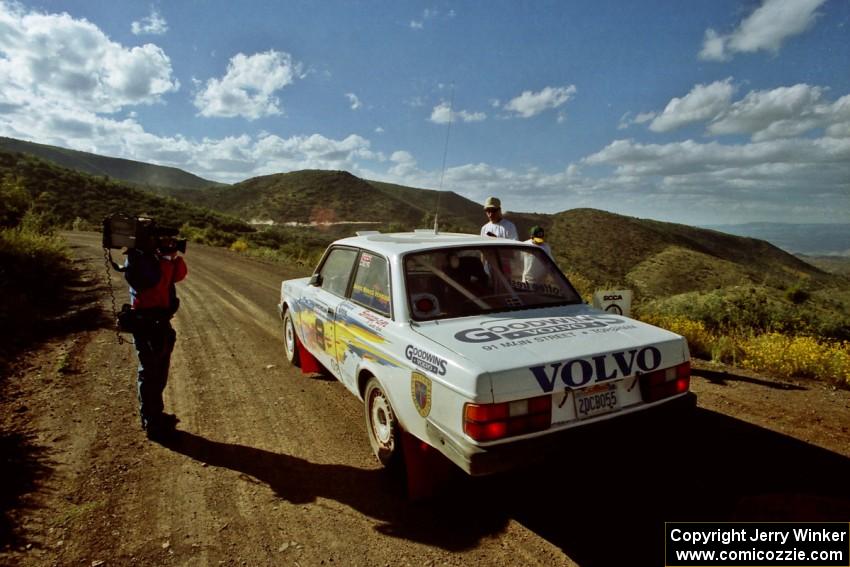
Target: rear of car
[(479, 347), (546, 363)]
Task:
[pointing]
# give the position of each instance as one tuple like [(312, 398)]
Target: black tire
[(381, 425), (290, 340)]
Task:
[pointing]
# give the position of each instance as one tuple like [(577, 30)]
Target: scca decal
[(426, 360), (533, 328), (579, 371)]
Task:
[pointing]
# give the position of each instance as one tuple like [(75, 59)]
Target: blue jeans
[(153, 346)]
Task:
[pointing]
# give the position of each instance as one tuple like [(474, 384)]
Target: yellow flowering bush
[(239, 246), (805, 357), (778, 354), (700, 339)]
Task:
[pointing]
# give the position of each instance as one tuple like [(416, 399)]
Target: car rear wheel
[(381, 425), (290, 340)]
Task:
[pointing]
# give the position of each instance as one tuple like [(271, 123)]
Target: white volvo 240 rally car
[(479, 347)]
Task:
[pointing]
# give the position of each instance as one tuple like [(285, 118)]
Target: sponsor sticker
[(420, 391), (373, 321), (425, 360), (533, 328)]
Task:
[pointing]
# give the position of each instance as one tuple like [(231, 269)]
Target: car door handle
[(330, 312)]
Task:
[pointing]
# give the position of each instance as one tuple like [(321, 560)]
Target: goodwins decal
[(426, 360), (580, 371), (533, 328)]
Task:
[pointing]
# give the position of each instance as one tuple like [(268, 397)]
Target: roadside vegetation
[(795, 335), (34, 268)]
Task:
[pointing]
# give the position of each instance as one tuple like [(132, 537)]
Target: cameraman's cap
[(492, 203), (536, 231)]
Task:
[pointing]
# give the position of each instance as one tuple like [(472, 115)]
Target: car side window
[(336, 270), (372, 283)]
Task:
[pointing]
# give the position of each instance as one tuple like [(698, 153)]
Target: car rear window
[(458, 282)]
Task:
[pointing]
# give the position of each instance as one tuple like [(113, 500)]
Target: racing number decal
[(319, 327)]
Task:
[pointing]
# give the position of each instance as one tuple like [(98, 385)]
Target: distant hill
[(832, 264), (809, 239), (338, 196), (69, 195), (658, 259), (141, 174)]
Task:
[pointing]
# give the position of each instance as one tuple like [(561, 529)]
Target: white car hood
[(533, 352)]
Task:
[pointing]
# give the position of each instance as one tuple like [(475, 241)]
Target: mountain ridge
[(138, 173)]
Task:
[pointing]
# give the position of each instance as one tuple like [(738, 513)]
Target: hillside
[(70, 196), (659, 259), (129, 171), (810, 239), (339, 197)]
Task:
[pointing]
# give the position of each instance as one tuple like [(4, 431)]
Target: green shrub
[(748, 309), (796, 295), (34, 268)]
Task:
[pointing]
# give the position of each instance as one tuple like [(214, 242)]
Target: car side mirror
[(316, 280)]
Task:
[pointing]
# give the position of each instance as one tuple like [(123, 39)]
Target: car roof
[(403, 242)]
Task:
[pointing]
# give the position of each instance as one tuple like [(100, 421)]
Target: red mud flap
[(427, 469), (309, 364)]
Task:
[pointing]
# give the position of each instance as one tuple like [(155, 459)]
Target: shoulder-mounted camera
[(140, 233)]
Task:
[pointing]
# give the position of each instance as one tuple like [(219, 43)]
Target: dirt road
[(270, 467)]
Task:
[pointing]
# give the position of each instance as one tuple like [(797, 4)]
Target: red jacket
[(172, 270)]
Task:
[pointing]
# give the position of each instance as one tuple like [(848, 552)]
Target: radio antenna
[(445, 153)]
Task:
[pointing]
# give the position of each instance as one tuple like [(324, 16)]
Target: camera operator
[(152, 275)]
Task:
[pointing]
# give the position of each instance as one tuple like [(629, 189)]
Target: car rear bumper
[(476, 460)]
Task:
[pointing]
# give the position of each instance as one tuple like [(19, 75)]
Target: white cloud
[(728, 161), (404, 165), (355, 102), (428, 14), (249, 86), (783, 112), (530, 104), (443, 114), (626, 119), (764, 30), (154, 24), (379, 130), (779, 113), (71, 62), (702, 103)]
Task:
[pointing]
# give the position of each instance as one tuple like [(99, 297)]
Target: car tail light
[(488, 422), (665, 383)]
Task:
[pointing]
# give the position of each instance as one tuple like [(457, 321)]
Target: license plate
[(596, 400)]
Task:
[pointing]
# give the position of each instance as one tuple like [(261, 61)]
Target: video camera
[(140, 233)]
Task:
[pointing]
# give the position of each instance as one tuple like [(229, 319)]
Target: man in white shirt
[(497, 225)]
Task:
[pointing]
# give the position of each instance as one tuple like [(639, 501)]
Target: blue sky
[(700, 112)]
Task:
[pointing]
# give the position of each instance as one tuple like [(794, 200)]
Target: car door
[(324, 298), (361, 321)]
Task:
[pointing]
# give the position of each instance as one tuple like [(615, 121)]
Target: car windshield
[(458, 282)]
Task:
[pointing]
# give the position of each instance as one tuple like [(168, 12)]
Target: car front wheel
[(381, 425), (290, 340)]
